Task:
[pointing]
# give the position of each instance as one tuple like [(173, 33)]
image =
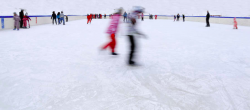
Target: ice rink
[(182, 66)]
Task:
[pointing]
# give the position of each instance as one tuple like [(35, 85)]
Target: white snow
[(184, 66), (233, 8)]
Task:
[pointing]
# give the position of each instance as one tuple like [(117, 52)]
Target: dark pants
[(59, 21), (207, 20), (54, 19), (21, 22), (125, 19), (132, 48), (142, 18), (183, 19), (177, 19)]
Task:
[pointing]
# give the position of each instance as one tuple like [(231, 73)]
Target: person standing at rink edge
[(142, 16), (53, 17), (183, 16), (125, 17), (178, 17), (17, 20), (21, 14), (207, 19), (62, 17), (112, 31), (132, 31), (58, 17)]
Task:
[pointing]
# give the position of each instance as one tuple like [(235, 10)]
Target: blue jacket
[(125, 14), (58, 16)]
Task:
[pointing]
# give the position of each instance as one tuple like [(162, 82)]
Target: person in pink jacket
[(235, 24), (17, 20), (112, 31), (26, 19)]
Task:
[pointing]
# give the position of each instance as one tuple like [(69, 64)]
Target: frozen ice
[(183, 66)]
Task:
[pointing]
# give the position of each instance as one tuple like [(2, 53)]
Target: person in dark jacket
[(53, 17), (178, 17), (21, 14), (183, 16), (66, 18), (104, 16), (207, 19)]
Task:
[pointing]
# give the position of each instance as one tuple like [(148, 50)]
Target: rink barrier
[(8, 22), (243, 21)]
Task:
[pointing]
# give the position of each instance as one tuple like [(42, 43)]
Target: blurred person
[(62, 17), (112, 31), (183, 16), (178, 17), (58, 17), (235, 24), (207, 19), (54, 17), (132, 31), (89, 19), (174, 17), (26, 19), (17, 20), (142, 16), (125, 17), (105, 16), (21, 14), (66, 18), (155, 16)]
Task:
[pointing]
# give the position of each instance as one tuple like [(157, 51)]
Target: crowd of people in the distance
[(21, 21), (58, 17)]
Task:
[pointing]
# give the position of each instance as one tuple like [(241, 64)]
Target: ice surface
[(161, 7), (184, 66)]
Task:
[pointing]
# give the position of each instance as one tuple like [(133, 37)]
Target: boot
[(113, 53)]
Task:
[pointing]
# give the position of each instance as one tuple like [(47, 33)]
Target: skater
[(235, 24), (105, 16), (132, 32), (26, 19), (142, 16), (53, 17), (112, 31), (174, 17), (62, 17), (125, 17), (183, 16), (58, 17), (178, 17), (155, 17), (67, 18), (21, 14), (17, 20), (89, 19), (207, 19)]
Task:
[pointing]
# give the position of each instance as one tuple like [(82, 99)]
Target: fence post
[(2, 22)]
